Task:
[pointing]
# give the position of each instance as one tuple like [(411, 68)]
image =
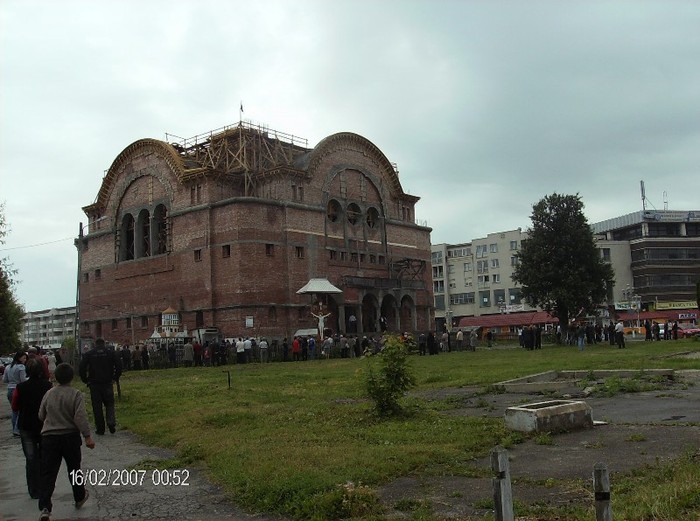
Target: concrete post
[(601, 489), (502, 493)]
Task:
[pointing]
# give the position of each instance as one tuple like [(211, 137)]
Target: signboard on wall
[(689, 304), (249, 321)]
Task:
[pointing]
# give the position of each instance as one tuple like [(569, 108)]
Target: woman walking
[(14, 375)]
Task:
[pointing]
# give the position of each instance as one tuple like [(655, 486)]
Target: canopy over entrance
[(320, 286)]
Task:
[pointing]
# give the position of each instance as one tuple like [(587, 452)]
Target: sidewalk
[(198, 501)]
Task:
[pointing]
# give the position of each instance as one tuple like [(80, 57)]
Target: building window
[(513, 245), (494, 263), (98, 274), (605, 254), (198, 255), (299, 251), (343, 256), (482, 266), (493, 248), (86, 277), (144, 322), (436, 257), (483, 280), (226, 251), (128, 322), (462, 298), (362, 258), (269, 250), (484, 299), (499, 297), (481, 250), (332, 254), (467, 267), (514, 295), (353, 257), (514, 260), (438, 286), (468, 282), (450, 269), (372, 217), (382, 260), (496, 278), (333, 210), (115, 324), (372, 258), (272, 314), (437, 272), (354, 213)]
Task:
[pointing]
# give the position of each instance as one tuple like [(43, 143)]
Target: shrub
[(393, 378)]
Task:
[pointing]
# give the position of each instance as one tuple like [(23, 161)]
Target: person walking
[(15, 374), (62, 411), (26, 401), (100, 367)]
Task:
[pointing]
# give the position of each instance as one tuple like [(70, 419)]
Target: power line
[(38, 244)]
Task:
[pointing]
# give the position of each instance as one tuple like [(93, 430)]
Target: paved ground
[(199, 501)]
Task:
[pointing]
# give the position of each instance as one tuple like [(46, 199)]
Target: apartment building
[(474, 278), (49, 327)]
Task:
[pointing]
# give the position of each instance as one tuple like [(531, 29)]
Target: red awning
[(527, 318)]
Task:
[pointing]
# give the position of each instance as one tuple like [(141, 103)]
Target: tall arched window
[(143, 234), (160, 230), (126, 238)]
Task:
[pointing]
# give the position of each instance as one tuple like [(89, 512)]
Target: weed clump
[(386, 386)]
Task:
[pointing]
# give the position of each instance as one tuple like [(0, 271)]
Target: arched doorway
[(370, 312), (407, 313), (389, 308)]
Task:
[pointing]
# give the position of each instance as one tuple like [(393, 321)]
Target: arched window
[(354, 213), (160, 230), (333, 210), (372, 217), (143, 234), (126, 238)]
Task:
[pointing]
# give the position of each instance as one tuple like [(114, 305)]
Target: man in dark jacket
[(100, 367)]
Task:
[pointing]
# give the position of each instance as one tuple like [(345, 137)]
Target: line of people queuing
[(50, 418)]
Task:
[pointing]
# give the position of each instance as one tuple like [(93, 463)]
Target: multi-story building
[(49, 327), (227, 226), (475, 278), (655, 256), (664, 257)]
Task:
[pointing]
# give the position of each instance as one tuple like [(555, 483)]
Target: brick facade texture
[(233, 253)]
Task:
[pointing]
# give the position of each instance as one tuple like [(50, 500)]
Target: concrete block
[(549, 416)]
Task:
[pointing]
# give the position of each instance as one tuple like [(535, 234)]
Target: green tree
[(10, 311), (559, 266)]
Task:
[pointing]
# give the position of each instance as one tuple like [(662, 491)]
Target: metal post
[(601, 489), (502, 493)]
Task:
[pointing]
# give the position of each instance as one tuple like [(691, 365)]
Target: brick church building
[(227, 226)]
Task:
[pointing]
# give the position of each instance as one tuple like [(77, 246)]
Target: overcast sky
[(486, 106)]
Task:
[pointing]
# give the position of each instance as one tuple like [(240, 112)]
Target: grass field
[(301, 439)]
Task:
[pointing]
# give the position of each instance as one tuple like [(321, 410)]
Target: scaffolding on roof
[(244, 152)]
